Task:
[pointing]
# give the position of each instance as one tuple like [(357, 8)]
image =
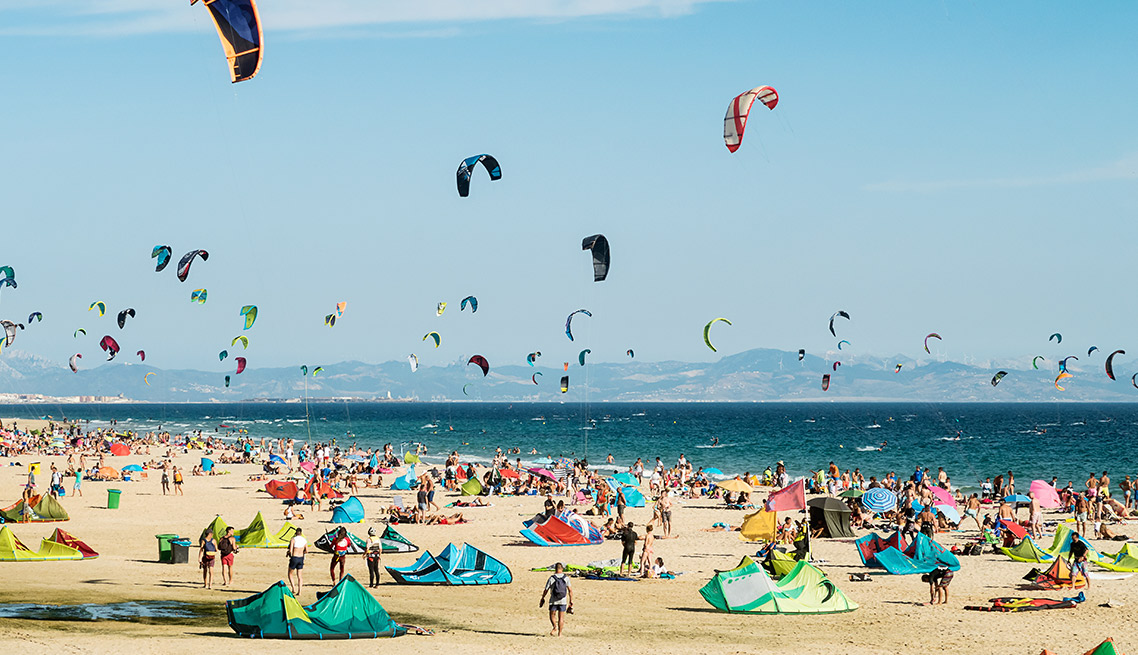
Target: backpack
[(560, 587)]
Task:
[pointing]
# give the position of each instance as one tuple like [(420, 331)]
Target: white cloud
[(128, 17), (1123, 169)]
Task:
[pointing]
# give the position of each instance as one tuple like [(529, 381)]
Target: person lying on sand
[(477, 502), (439, 519)]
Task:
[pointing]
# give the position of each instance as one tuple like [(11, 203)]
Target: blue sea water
[(971, 441)]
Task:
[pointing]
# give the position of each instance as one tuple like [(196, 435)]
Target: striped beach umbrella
[(879, 500)]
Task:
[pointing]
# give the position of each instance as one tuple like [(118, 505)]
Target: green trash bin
[(164, 549), (113, 498)]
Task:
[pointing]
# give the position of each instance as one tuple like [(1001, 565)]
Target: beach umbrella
[(879, 500), (711, 470), (949, 512), (625, 478), (1017, 498), (543, 461), (277, 459), (132, 467), (943, 496), (851, 493), (1045, 494), (543, 473), (562, 462), (355, 458), (108, 473), (734, 485), (308, 467), (509, 473)]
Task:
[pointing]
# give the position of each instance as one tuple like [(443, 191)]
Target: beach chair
[(398, 502)]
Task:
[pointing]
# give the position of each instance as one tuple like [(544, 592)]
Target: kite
[(440, 308), (8, 281), (141, 355), (74, 364), (534, 376), (76, 334), (465, 170), (1134, 381), (36, 316), (1110, 363), (250, 314), (464, 389), (569, 321), (897, 369), (317, 370), (1063, 374), (801, 354), (472, 301), (198, 296), (222, 355), (1091, 350), (1035, 361), (564, 384), (162, 254), (122, 316), (102, 307), (532, 357), (997, 377), (1063, 362), (227, 382), (413, 361), (330, 320), (838, 313), (931, 335), (600, 247), (340, 307), (435, 336), (1057, 337), (9, 273), (243, 339), (836, 365), (482, 364), (304, 370), (240, 365), (631, 354), (841, 342), (187, 259), (108, 344), (566, 367), (10, 332), (735, 122), (707, 332), (146, 378), (239, 27), (581, 356), (826, 382)]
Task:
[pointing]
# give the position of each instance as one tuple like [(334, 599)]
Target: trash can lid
[(167, 536), (114, 491), (182, 542)]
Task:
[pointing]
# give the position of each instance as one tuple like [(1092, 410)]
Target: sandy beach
[(659, 616)]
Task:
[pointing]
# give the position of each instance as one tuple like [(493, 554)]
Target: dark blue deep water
[(1068, 440)]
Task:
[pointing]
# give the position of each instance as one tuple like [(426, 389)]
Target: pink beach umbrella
[(308, 467), (543, 473), (943, 496), (1045, 494)]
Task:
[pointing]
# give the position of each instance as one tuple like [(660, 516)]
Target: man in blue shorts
[(297, 549)]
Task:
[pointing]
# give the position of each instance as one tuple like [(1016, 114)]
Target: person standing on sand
[(165, 479), (1078, 561), (78, 488), (341, 544), (665, 503), (373, 554), (297, 549), (646, 553), (178, 482), (1035, 529), (227, 548), (207, 552), (628, 539), (972, 510), (1082, 509), (560, 592)]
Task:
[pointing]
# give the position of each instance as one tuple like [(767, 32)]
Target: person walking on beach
[(178, 482), (297, 549), (373, 555), (165, 479), (666, 513), (560, 592), (628, 539), (341, 544), (1078, 560), (646, 553), (227, 548), (56, 482), (1036, 524), (78, 488), (207, 552), (1082, 510)]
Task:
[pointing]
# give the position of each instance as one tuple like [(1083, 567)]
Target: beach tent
[(1058, 576), (748, 588), (626, 478), (632, 495), (120, 449), (207, 465), (349, 511), (12, 550), (61, 537), (471, 487), (348, 611), (1125, 560), (759, 526), (1028, 551), (282, 490), (404, 482), (831, 515), (456, 565), (107, 473), (565, 529), (257, 536)]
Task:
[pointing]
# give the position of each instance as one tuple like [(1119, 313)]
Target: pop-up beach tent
[(349, 511), (456, 565), (348, 611), (747, 588), (831, 515)]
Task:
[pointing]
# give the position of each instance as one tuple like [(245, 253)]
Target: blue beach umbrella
[(1017, 498), (711, 470), (950, 513), (625, 478), (132, 467), (879, 500), (277, 459)]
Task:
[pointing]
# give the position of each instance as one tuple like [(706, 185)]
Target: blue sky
[(968, 168)]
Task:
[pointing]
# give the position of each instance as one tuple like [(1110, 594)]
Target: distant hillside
[(754, 375)]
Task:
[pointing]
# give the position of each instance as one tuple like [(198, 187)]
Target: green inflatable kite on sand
[(347, 611), (748, 589)]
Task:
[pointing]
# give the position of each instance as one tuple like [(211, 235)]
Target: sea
[(972, 441)]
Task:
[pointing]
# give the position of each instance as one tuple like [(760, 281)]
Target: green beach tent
[(471, 487), (347, 611), (747, 588)]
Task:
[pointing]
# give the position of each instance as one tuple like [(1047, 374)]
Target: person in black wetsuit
[(628, 539)]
